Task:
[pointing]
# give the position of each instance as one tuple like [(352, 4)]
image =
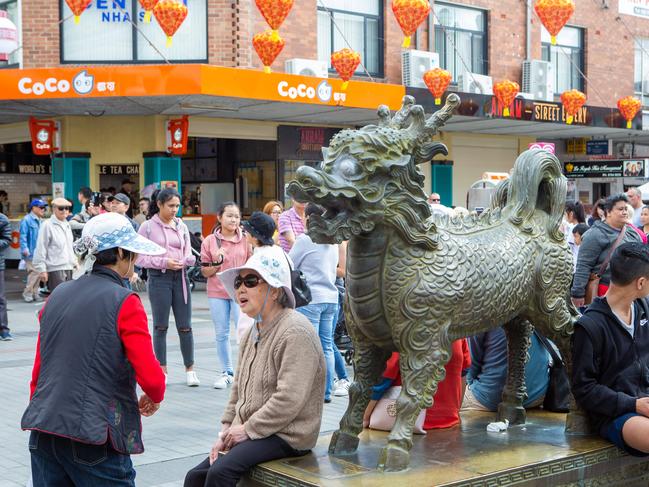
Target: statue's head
[(371, 175)]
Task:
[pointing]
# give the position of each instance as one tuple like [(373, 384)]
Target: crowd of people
[(288, 363)]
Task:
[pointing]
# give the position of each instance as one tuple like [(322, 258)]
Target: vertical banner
[(44, 136), (177, 133)]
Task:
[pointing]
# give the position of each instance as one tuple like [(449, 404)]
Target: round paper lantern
[(268, 47), (572, 101), (274, 11), (148, 6), (554, 14), (345, 63), (170, 14), (410, 14), (8, 36), (629, 107), (437, 80), (77, 7), (505, 92)]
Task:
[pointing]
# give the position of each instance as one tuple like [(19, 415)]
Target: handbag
[(557, 396), (299, 286), (385, 413), (592, 287)]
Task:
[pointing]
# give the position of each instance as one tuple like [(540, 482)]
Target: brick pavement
[(176, 438)]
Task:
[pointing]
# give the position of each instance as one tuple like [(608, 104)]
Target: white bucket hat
[(112, 230), (271, 265)]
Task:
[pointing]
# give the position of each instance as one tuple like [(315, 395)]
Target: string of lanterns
[(269, 44)]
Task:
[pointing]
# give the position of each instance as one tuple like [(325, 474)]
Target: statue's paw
[(577, 423), (511, 412), (343, 443), (393, 459)]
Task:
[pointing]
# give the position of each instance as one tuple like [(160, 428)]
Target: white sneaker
[(341, 387), (28, 299), (223, 381), (192, 379)]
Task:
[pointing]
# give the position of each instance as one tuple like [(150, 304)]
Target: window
[(12, 7), (641, 72), (105, 34), (566, 58), (361, 24), (461, 39)]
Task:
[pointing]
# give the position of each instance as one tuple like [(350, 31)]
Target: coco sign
[(177, 132), (43, 134)]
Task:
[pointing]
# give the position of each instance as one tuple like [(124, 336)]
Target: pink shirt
[(236, 254), (289, 220), (174, 240)]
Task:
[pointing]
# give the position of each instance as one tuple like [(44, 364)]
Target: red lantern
[(410, 14), (572, 101), (629, 107), (77, 7), (505, 92), (437, 80), (170, 14), (554, 14), (148, 6), (345, 63), (268, 47), (274, 11)]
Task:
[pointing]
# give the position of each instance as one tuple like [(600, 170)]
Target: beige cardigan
[(279, 383)]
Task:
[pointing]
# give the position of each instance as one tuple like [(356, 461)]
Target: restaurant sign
[(604, 169), (119, 169)]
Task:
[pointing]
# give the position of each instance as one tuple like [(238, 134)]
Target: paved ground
[(176, 438)]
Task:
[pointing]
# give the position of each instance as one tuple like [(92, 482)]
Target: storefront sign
[(547, 146), (576, 146), (302, 143), (58, 190), (637, 8), (34, 169), (43, 134), (119, 169), (634, 169), (597, 147), (553, 112), (594, 169), (177, 132)]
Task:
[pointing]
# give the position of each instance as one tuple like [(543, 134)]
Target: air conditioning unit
[(538, 79), (475, 83), (307, 67), (414, 64)]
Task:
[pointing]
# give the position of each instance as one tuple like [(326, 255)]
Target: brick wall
[(20, 186), (232, 23)]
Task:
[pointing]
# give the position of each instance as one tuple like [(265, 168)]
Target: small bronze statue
[(417, 282)]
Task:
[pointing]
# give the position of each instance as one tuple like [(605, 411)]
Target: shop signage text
[(576, 146), (177, 133), (323, 91), (311, 139), (116, 10), (34, 169), (83, 83), (637, 8), (119, 169), (599, 169), (597, 147), (43, 135), (552, 112)]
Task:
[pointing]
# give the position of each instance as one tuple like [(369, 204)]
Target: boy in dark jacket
[(611, 354)]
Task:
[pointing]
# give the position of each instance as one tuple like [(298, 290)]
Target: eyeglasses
[(250, 281), (276, 212), (63, 208), (435, 200)]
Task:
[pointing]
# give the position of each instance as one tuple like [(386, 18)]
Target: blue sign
[(597, 147)]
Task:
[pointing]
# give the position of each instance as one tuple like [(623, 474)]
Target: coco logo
[(83, 83), (323, 91)]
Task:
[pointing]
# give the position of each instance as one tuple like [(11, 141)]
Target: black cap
[(121, 197), (261, 226)]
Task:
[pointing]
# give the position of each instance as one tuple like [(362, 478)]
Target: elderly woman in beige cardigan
[(275, 406)]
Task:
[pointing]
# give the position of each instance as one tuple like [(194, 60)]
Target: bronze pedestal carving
[(416, 282)]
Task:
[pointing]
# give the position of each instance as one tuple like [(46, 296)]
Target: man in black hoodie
[(610, 379)]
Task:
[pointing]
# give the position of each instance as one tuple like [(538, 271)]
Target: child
[(577, 233)]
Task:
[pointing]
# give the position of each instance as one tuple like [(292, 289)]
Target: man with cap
[(54, 258), (121, 203), (29, 229), (83, 413)]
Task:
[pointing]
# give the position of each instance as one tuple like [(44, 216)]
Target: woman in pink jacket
[(167, 282)]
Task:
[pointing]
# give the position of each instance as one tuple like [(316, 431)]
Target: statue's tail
[(537, 183)]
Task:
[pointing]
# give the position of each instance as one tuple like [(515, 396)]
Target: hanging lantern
[(148, 6), (554, 14), (345, 63), (268, 47), (410, 14), (572, 101), (274, 11), (437, 80), (629, 107), (505, 92), (77, 7), (170, 14), (8, 36)]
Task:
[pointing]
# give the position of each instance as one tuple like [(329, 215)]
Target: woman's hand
[(216, 448), (174, 265), (234, 436)]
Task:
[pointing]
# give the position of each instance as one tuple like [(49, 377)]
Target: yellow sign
[(576, 146)]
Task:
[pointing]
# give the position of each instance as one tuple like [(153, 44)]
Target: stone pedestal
[(538, 453)]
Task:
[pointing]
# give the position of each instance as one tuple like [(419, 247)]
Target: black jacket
[(5, 239), (610, 368)]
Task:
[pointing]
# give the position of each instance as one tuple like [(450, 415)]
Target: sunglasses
[(435, 200), (63, 208), (250, 281)]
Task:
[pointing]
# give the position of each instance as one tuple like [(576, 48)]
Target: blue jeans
[(339, 361), (222, 310), (322, 316), (61, 462)]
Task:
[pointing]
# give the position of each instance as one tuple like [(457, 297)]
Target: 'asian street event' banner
[(604, 169)]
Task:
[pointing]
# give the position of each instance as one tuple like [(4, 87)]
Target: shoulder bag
[(299, 286), (593, 280), (385, 413), (557, 396)]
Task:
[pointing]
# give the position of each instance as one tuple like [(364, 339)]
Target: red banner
[(177, 132), (43, 134)]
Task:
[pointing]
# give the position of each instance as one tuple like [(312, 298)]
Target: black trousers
[(228, 469)]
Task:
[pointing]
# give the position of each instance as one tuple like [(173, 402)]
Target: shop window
[(357, 24), (641, 72), (461, 39), (566, 57), (12, 7), (106, 34)]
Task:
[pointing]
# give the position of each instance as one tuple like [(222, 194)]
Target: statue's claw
[(343, 443)]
